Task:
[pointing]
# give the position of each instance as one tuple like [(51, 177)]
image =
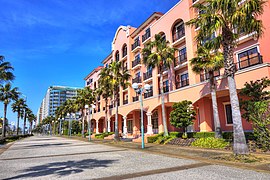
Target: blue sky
[(58, 42)]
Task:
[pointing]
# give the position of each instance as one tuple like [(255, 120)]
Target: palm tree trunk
[(4, 121), (18, 121), (218, 133), (82, 123), (24, 122), (106, 115), (239, 145), (116, 134), (30, 128), (164, 121)]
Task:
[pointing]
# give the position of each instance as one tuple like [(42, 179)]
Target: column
[(149, 123), (125, 125), (97, 131), (109, 125)]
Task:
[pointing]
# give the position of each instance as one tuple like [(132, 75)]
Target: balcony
[(205, 76), (124, 53), (136, 98), (125, 102), (147, 75), (181, 59), (135, 45), (98, 98), (178, 35), (137, 80), (111, 106), (98, 109), (136, 62), (165, 89), (146, 36), (148, 94), (249, 62), (164, 69), (182, 84)]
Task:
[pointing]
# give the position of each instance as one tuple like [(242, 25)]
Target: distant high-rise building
[(55, 96)]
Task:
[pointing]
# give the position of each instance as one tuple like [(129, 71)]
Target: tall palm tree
[(25, 113), (85, 97), (158, 54), (228, 18), (18, 107), (5, 71), (119, 77), (105, 90), (209, 62), (31, 119), (7, 94)]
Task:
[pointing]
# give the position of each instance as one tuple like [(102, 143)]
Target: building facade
[(180, 83), (55, 96)]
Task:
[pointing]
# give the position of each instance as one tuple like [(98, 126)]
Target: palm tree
[(18, 107), (119, 77), (5, 71), (85, 96), (209, 62), (26, 110), (158, 54), (7, 94), (105, 90), (228, 18)]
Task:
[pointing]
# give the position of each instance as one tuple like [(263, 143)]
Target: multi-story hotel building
[(251, 56), (55, 96)]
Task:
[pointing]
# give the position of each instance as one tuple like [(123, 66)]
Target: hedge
[(13, 138)]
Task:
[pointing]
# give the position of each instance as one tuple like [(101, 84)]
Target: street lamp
[(89, 118), (140, 90), (69, 124)]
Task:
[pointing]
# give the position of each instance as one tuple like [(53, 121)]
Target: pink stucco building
[(252, 58)]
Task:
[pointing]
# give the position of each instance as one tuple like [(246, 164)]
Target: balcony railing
[(205, 76), (180, 59), (124, 53), (136, 62), (125, 101), (249, 62), (146, 36), (182, 84), (136, 44), (148, 94), (165, 89), (147, 75), (136, 98), (178, 35), (163, 68), (137, 80)]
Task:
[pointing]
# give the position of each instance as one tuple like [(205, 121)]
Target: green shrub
[(227, 135), (204, 134), (152, 139), (210, 142), (175, 134)]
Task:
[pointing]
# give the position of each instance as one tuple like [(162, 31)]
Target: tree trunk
[(218, 133), (106, 115), (164, 121), (116, 134), (30, 128), (239, 145), (24, 122), (4, 121), (82, 123), (18, 121)]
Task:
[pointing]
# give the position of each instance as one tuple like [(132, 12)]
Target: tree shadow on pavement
[(62, 168)]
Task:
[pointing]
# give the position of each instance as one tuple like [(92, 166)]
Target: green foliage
[(204, 134), (182, 115), (175, 134), (257, 109), (210, 142), (76, 127), (103, 135)]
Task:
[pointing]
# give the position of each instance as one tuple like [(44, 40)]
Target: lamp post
[(89, 118), (69, 124), (140, 90)]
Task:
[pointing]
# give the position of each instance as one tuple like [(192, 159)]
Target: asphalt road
[(43, 157)]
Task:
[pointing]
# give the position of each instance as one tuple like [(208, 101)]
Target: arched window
[(117, 56), (124, 50), (178, 30)]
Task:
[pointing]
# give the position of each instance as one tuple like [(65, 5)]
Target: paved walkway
[(43, 157)]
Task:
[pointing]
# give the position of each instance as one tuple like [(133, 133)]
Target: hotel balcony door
[(155, 122)]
